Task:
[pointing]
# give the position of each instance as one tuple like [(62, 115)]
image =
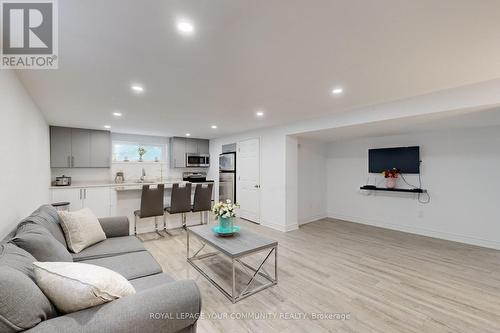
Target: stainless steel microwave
[(197, 160)]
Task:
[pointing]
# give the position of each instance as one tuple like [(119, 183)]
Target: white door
[(248, 179), (72, 195), (98, 199)]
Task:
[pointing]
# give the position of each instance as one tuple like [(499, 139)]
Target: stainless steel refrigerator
[(227, 176)]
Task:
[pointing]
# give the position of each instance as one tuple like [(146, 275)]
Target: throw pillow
[(40, 243), (76, 286), (22, 304), (81, 229)]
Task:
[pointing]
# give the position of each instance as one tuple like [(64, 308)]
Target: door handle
[(68, 162), (84, 194), (80, 194), (256, 186), (72, 161)]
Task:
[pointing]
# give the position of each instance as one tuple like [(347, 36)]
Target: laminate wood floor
[(381, 280)]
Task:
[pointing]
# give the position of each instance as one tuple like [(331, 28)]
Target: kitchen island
[(111, 199)]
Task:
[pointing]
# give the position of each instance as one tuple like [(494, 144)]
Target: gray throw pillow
[(40, 243), (17, 258), (47, 217), (22, 304)]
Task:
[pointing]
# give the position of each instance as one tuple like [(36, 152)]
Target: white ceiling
[(283, 56), (460, 119)]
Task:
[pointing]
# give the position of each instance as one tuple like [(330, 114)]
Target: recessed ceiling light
[(259, 113), (185, 27), (107, 126), (188, 134), (137, 88), (117, 114), (337, 91), (214, 126)]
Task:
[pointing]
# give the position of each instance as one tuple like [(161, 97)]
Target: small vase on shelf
[(391, 183)]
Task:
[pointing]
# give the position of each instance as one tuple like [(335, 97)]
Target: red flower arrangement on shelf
[(391, 176)]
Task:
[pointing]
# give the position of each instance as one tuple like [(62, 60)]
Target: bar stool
[(180, 202), (151, 205), (203, 200)]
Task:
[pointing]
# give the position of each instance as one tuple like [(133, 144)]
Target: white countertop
[(123, 186)]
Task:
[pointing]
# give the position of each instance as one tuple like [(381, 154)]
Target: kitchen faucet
[(143, 175)]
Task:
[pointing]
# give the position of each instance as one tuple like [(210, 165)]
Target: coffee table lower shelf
[(250, 271)]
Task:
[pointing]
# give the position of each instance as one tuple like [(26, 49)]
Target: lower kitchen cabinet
[(98, 199)]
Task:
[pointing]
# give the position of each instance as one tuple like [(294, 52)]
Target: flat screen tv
[(405, 159)]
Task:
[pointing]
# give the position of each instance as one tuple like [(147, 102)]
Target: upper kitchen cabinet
[(100, 148), (203, 146), (197, 146), (79, 148), (179, 147), (192, 146), (178, 152), (60, 147)]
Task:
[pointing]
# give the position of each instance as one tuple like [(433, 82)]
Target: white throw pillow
[(81, 229), (73, 286)]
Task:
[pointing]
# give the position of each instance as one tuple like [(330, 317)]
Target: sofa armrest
[(167, 308), (116, 226)]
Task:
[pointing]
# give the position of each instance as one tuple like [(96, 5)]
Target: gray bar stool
[(180, 202), (203, 200), (151, 205)]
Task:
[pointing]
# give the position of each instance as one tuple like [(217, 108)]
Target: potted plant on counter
[(225, 212), (391, 177), (141, 152)]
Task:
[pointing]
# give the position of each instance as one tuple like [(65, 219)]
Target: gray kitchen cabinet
[(178, 152), (192, 146), (79, 148), (179, 147), (100, 149), (60, 147), (203, 146)]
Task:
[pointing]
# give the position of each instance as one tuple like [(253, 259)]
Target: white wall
[(24, 153), (312, 179), (459, 169)]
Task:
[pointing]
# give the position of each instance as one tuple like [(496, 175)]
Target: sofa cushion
[(40, 243), (110, 247), (47, 217), (151, 281), (22, 304), (75, 286), (131, 265), (16, 258), (81, 229)]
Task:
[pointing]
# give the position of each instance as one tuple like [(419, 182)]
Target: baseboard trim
[(279, 227), (419, 231), (313, 218)]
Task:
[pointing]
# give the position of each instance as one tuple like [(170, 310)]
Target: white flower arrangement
[(225, 209)]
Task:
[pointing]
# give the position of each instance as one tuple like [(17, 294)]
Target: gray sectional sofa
[(161, 304)]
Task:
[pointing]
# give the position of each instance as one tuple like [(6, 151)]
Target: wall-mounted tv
[(405, 159)]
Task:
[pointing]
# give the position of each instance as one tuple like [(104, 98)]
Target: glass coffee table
[(243, 244)]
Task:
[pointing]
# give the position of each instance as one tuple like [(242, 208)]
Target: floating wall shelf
[(407, 190)]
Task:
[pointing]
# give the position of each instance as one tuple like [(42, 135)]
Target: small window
[(128, 151)]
